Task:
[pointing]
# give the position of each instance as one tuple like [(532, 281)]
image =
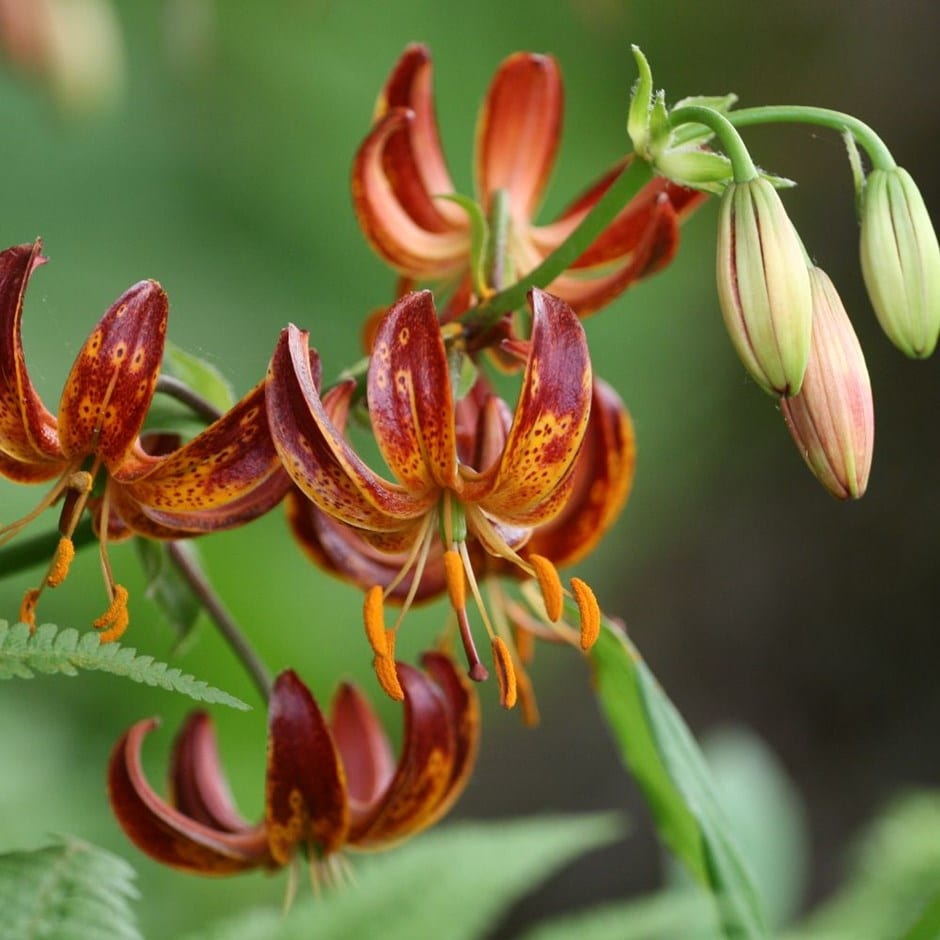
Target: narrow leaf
[(662, 755), (50, 650), (201, 376), (167, 588)]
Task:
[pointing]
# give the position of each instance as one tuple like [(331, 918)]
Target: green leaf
[(50, 650), (662, 755), (67, 891), (463, 877), (479, 239), (167, 588), (201, 376), (638, 118)]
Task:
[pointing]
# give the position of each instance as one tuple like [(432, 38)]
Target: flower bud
[(832, 419), (901, 261), (763, 286)]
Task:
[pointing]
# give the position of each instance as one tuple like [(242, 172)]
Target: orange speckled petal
[(318, 457), (166, 834), (305, 795), (549, 421), (111, 385), (518, 131), (29, 448), (422, 777), (410, 399), (395, 211), (225, 476), (602, 477)]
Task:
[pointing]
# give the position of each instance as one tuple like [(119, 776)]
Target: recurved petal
[(425, 766), (305, 795), (396, 212), (410, 401), (198, 787), (601, 482), (166, 834), (226, 476), (549, 421), (318, 457), (29, 448), (111, 385), (518, 131)]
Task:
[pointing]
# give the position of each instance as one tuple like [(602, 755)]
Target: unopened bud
[(901, 261), (763, 286), (832, 419)]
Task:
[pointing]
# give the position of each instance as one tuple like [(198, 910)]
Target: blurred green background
[(221, 169)]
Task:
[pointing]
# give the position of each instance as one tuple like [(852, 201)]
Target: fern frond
[(52, 650), (67, 890)]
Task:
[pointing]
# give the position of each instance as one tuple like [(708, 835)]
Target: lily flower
[(439, 506), (330, 784), (404, 197), (227, 475)]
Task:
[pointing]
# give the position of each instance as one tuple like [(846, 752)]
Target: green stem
[(199, 584), (636, 175), (867, 139), (731, 142), (38, 549)]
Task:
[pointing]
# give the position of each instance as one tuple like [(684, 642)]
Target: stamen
[(454, 576), (115, 618), (373, 613), (525, 644), (61, 561), (387, 674), (28, 608), (530, 708), (505, 673), (550, 586), (590, 612), (77, 487)]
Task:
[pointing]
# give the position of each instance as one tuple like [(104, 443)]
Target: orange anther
[(115, 618), (61, 561), (455, 579), (525, 644), (530, 708), (387, 674), (373, 613), (590, 612), (505, 673), (550, 586), (28, 608)]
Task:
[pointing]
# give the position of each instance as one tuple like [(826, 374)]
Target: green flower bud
[(901, 261), (763, 286), (832, 420)]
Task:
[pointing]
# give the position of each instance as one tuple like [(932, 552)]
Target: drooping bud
[(901, 261), (763, 286), (832, 419)]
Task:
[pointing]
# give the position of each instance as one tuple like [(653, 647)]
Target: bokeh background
[(208, 145)]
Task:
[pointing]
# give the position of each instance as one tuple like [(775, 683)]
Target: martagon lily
[(331, 784), (439, 506), (403, 193), (226, 476)]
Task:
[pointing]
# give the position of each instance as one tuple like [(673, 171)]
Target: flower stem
[(731, 142), (196, 578), (634, 177), (868, 140)]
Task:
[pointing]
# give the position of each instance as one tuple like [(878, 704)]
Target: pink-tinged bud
[(763, 286), (832, 420), (901, 261)]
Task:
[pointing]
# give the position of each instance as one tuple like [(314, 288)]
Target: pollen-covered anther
[(80, 481), (505, 673), (526, 695), (455, 579), (589, 611), (28, 608), (61, 562), (387, 673), (113, 622), (550, 586), (373, 614)]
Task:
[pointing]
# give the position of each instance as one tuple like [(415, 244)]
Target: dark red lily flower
[(331, 784), (400, 175), (224, 477)]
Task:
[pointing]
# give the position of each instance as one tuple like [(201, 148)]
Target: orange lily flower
[(330, 784), (227, 475), (400, 175), (439, 505)]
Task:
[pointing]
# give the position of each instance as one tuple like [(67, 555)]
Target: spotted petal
[(518, 132), (305, 795), (318, 457), (548, 424), (166, 834), (410, 399), (29, 449), (109, 390)]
